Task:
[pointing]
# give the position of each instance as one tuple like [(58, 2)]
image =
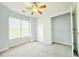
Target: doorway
[(61, 29)]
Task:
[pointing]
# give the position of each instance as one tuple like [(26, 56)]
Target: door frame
[(71, 27)]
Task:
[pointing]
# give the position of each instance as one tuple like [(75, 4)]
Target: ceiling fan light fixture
[(34, 10), (36, 7)]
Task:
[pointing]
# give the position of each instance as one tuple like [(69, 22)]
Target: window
[(18, 28), (25, 28), (14, 28)]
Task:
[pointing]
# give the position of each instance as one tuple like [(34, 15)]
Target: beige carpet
[(37, 49)]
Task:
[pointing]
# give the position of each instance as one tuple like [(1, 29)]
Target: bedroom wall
[(17, 41), (33, 29), (3, 28), (45, 32), (40, 30), (46, 22), (5, 13)]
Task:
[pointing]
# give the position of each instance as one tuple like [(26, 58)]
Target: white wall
[(46, 35), (33, 29), (46, 21), (61, 29), (3, 28), (40, 30), (17, 41), (5, 13), (32, 22)]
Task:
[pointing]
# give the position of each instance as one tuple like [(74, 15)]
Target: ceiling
[(51, 6)]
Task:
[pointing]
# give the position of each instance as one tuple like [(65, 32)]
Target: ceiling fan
[(36, 7)]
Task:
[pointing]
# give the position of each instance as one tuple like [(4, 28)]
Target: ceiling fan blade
[(37, 8), (40, 12), (33, 13), (28, 8), (43, 6), (34, 3)]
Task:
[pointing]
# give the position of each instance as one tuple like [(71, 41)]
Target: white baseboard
[(45, 42), (19, 43), (1, 50), (16, 44), (62, 43)]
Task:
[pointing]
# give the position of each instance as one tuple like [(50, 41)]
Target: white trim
[(60, 14), (64, 43), (19, 43), (71, 27), (1, 50), (72, 34), (45, 42)]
